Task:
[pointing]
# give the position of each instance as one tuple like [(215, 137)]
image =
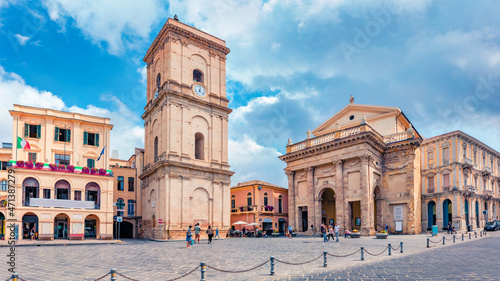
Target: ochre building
[(360, 169), (186, 176)]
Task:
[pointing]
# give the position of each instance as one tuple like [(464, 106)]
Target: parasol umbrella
[(240, 223), (253, 224)]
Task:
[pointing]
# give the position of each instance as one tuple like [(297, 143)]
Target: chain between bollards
[(324, 259), (401, 247), (389, 249), (362, 253), (202, 270), (113, 274), (272, 265)]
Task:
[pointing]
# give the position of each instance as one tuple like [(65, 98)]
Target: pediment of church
[(384, 119)]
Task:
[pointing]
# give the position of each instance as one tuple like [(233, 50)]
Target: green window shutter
[(26, 129), (85, 138), (69, 135), (38, 131), (56, 134), (96, 139)]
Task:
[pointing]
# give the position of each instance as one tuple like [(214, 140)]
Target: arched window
[(158, 80), (156, 149), (63, 190), (233, 202), (199, 146), (266, 199), (93, 193), (280, 204), (249, 199), (30, 190), (197, 76)]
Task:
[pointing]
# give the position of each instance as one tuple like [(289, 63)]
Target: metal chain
[(21, 279), (395, 249), (448, 239), (236, 271), (128, 278), (299, 263), (377, 254), (186, 274), (435, 242), (343, 256), (100, 278)]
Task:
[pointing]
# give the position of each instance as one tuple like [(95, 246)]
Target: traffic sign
[(160, 221), (120, 204), (119, 219)]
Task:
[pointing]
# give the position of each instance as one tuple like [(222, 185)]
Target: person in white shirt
[(337, 229)]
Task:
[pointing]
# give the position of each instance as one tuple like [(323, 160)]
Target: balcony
[(61, 203), (487, 169), (267, 209), (446, 162), (467, 162), (431, 190), (234, 210), (430, 166), (245, 209), (446, 188), (470, 188), (488, 192)]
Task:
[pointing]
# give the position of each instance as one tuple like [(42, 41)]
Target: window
[(32, 157), (280, 204), (158, 80), (46, 193), (3, 165), (63, 190), (90, 139), (3, 185), (78, 195), (430, 158), (233, 202), (198, 146), (130, 208), (446, 155), (465, 150), (32, 131), (249, 199), (120, 183), (197, 76), (120, 204), (91, 163), (62, 159), (484, 160), (475, 182), (62, 134), (156, 149), (430, 184), (446, 180), (130, 184), (266, 200)]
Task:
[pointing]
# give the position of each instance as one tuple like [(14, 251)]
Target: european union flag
[(102, 153)]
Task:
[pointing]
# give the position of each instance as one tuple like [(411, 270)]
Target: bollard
[(475, 234), (113, 274), (389, 249), (14, 276), (443, 240), (462, 237), (470, 235), (272, 265), (202, 269), (324, 259), (427, 242), (362, 253), (453, 238), (401, 247), (480, 234), (485, 233)]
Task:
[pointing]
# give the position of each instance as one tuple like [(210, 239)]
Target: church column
[(341, 205), (311, 208), (292, 216), (367, 226)]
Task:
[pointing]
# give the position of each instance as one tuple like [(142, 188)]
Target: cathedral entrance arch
[(477, 214), (328, 215), (431, 214), (467, 222), (447, 213)]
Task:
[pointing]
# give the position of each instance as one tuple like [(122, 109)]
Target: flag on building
[(102, 153), (22, 143)]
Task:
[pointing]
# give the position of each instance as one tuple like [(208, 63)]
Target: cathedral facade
[(359, 169), (186, 176)]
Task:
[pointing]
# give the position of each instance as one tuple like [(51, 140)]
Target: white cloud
[(22, 39), (125, 136), (118, 24)]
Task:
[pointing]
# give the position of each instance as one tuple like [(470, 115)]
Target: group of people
[(197, 230), (329, 231), (450, 229)]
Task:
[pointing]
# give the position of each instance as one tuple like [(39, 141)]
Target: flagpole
[(17, 135)]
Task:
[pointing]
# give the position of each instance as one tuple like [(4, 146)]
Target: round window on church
[(351, 117)]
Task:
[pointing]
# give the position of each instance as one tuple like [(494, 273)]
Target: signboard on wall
[(398, 213)]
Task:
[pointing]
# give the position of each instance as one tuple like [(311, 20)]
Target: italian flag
[(22, 143)]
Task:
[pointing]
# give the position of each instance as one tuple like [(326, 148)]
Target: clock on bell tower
[(186, 176)]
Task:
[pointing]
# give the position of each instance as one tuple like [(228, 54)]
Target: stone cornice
[(162, 163)]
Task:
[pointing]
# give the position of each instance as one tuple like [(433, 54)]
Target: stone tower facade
[(186, 176)]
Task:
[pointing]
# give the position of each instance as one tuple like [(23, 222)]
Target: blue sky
[(292, 65)]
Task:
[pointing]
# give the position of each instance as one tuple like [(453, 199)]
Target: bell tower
[(186, 176)]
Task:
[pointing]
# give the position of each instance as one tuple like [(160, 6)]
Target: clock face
[(199, 90)]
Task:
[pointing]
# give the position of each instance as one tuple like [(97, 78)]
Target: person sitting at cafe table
[(347, 233)]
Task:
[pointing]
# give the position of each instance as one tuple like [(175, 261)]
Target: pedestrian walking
[(449, 228), (330, 232), (290, 229), (337, 229), (197, 231), (323, 231), (217, 233), (210, 234), (386, 227), (313, 230), (32, 233), (189, 237)]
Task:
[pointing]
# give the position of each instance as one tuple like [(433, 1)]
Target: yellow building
[(62, 189), (460, 182), (5, 156)]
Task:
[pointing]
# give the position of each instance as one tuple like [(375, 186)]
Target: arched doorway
[(61, 226), (431, 214), (281, 226), (447, 213), (328, 214), (467, 222), (267, 225), (126, 230), (377, 208), (477, 214), (30, 190), (30, 222), (91, 226)]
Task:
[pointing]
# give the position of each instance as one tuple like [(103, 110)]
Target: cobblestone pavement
[(148, 260)]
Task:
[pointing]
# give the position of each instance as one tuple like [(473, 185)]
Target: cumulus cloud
[(125, 135), (22, 39)]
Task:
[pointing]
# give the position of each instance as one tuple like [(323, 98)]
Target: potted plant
[(53, 167), (381, 235), (61, 167), (39, 165), (94, 171), (102, 172), (70, 168), (241, 209), (85, 170), (275, 233), (355, 233), (28, 164), (20, 163)]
